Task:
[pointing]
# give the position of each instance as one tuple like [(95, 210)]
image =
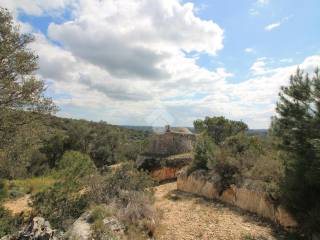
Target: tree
[(219, 128), (203, 152), (298, 128), (20, 90)]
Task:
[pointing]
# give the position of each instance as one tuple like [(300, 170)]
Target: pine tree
[(298, 128)]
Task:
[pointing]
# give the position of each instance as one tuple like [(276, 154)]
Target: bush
[(3, 189), (124, 178), (67, 199), (75, 165), (60, 204), (8, 223), (128, 190), (203, 153)]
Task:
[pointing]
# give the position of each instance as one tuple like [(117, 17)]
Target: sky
[(157, 62)]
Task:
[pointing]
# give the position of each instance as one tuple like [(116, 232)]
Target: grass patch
[(19, 187)]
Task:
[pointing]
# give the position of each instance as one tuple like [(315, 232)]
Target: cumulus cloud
[(135, 39), (35, 7), (119, 61)]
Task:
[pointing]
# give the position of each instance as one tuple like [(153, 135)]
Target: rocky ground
[(185, 217)]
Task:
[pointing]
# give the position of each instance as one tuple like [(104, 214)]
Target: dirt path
[(184, 216), (18, 205)]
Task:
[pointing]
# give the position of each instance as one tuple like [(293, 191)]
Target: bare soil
[(18, 205), (186, 217)]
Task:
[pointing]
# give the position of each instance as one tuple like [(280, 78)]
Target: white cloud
[(263, 2), (286, 60), (272, 26), (249, 50), (276, 24), (35, 7), (259, 66), (119, 61)]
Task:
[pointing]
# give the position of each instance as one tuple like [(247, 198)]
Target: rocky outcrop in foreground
[(38, 229), (208, 184)]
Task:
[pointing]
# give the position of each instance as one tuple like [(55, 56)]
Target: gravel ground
[(185, 217)]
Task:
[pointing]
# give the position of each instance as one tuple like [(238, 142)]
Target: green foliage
[(60, 204), (128, 190), (297, 127), (23, 105), (219, 128), (126, 178), (104, 143), (203, 153), (67, 199), (7, 222), (19, 89), (75, 166), (239, 156), (19, 187)]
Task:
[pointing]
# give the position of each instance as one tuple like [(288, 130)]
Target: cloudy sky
[(151, 62)]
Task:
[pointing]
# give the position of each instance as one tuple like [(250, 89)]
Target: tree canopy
[(20, 90), (219, 128), (298, 128)]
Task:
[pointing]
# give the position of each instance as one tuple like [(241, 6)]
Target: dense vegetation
[(285, 163), (225, 146), (63, 164), (297, 127)]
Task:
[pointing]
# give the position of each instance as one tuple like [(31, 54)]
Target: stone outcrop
[(38, 229), (208, 184), (81, 229)]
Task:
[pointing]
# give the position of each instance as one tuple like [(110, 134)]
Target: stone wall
[(171, 143), (208, 185)]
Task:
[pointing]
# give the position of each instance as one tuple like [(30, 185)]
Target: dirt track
[(184, 216)]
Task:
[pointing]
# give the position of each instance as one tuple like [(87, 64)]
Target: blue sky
[(127, 61)]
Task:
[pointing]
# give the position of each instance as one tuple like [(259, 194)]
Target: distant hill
[(150, 129), (258, 132)]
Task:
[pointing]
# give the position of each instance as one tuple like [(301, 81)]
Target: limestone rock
[(246, 197), (80, 229), (38, 229)]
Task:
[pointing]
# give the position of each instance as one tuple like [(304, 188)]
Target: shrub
[(60, 204), (203, 153), (67, 199), (128, 190), (75, 165), (138, 211), (126, 178), (3, 189), (8, 223)]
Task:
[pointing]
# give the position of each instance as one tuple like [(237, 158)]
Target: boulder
[(81, 228)]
